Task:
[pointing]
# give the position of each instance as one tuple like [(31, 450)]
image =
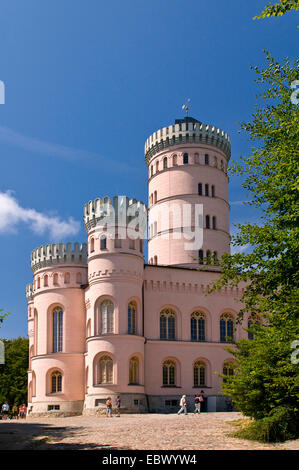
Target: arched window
[(105, 370), (207, 221), (174, 160), (198, 326), (79, 278), (141, 245), (206, 159), (155, 260), (134, 370), (214, 223), (185, 158), (209, 257), (46, 280), (132, 318), (200, 189), (57, 329), (226, 327), (199, 374), (213, 191), (155, 197), (38, 282), (157, 167), (206, 190), (196, 158), (228, 368), (106, 318), (165, 163), (167, 324), (103, 243), (200, 256), (152, 170), (91, 245), (215, 258), (215, 162), (55, 279), (67, 278), (56, 382), (169, 373)]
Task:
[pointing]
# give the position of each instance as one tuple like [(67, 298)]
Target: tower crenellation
[(61, 253), (97, 211), (189, 131)]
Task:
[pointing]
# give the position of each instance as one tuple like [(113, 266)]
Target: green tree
[(2, 316), (278, 9), (13, 374), (265, 384)]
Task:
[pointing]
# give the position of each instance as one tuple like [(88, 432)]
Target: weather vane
[(186, 106)]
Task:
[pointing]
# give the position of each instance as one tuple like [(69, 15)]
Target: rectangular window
[(53, 407), (206, 159), (213, 191), (185, 158), (200, 189), (206, 190)]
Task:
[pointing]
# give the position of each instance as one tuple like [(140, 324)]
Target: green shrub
[(281, 424)]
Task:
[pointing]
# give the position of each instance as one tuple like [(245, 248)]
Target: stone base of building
[(130, 403), (171, 403), (55, 408)]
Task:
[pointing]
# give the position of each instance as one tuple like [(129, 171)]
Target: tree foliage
[(265, 378), (13, 374), (278, 9)]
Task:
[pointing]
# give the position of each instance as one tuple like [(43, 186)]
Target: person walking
[(117, 404), (24, 410), (109, 407), (183, 405), (15, 411), (197, 404), (5, 410)]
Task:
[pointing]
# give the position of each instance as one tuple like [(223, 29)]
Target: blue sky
[(86, 82)]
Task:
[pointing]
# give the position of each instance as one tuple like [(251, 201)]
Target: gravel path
[(207, 431)]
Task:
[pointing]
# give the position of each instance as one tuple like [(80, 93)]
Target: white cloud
[(11, 137), (12, 214)]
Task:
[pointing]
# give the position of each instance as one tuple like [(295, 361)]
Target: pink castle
[(104, 323)]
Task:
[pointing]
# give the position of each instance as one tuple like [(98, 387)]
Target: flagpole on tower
[(186, 106)]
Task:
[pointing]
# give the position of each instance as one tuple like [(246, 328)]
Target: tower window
[(103, 243), (165, 163), (207, 161), (200, 256), (214, 223), (207, 221), (206, 190), (213, 191), (157, 167), (200, 189), (185, 158), (132, 318), (57, 325)]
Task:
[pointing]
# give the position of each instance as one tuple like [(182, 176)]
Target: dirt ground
[(207, 431)]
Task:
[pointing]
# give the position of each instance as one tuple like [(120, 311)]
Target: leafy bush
[(280, 425)]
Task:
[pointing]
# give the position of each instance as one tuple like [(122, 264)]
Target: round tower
[(114, 301), (188, 194), (56, 324)]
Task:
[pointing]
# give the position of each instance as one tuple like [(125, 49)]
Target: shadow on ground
[(36, 436)]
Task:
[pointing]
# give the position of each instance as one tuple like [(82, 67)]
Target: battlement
[(120, 209), (186, 131), (29, 292), (58, 254)]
